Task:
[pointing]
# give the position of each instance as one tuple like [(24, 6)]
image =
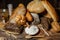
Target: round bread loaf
[(35, 6)]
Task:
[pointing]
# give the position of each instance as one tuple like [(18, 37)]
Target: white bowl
[(32, 30)]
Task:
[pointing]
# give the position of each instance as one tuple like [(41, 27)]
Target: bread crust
[(29, 17), (50, 10)]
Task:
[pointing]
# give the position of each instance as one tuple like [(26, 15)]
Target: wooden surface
[(55, 36)]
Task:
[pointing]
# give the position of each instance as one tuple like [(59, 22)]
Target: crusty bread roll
[(18, 15), (19, 19), (19, 10), (35, 6), (22, 21), (29, 17), (50, 10)]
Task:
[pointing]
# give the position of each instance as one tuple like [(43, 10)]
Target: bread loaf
[(35, 6)]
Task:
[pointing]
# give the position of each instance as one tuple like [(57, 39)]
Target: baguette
[(50, 10), (55, 26)]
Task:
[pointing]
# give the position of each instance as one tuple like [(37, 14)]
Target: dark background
[(4, 3)]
